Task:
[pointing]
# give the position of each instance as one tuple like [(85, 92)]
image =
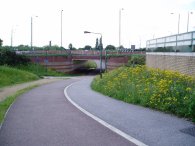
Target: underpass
[(64, 61)]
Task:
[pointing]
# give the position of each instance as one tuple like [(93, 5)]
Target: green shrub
[(90, 64), (163, 90), (136, 60), (10, 58)]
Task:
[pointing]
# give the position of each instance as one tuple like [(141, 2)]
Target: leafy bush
[(8, 57), (110, 47), (136, 60), (90, 64), (163, 90)]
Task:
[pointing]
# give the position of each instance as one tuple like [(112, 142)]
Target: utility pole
[(120, 26), (61, 28)]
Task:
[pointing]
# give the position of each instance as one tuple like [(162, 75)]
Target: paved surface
[(148, 126), (44, 117), (10, 90)]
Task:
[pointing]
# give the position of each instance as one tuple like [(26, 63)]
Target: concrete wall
[(181, 62)]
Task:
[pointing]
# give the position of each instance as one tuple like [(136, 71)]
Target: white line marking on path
[(112, 128)]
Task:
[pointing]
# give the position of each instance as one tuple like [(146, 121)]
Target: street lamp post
[(101, 48), (12, 38), (178, 21), (188, 20), (61, 28), (31, 44), (120, 26), (13, 30)]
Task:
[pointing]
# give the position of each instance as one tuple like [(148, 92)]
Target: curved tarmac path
[(44, 117), (151, 127)]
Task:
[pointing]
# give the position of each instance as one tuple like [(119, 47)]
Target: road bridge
[(64, 60)]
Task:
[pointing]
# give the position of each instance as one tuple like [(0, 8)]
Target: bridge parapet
[(86, 52), (77, 52), (44, 52)]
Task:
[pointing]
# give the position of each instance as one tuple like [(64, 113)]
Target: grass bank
[(11, 76), (166, 91), (5, 104), (39, 70)]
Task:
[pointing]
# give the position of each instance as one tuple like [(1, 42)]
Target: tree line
[(54, 47)]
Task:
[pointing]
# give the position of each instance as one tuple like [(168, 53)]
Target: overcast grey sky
[(141, 20)]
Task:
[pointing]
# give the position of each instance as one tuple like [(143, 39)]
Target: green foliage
[(39, 70), (55, 47), (80, 48), (121, 47), (1, 42), (8, 57), (96, 44), (27, 48), (10, 76), (22, 48), (70, 46), (90, 64), (110, 47), (163, 90), (136, 60), (87, 47)]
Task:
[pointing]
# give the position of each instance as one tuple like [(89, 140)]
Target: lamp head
[(87, 32)]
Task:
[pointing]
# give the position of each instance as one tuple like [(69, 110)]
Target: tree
[(121, 47), (96, 45), (1, 42), (8, 57), (81, 49), (87, 47), (70, 46), (23, 47), (110, 47), (73, 48), (54, 47)]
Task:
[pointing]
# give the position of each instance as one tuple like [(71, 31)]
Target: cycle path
[(148, 126), (10, 90), (44, 117)]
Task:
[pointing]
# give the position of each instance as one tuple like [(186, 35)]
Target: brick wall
[(59, 63), (181, 62), (116, 61)]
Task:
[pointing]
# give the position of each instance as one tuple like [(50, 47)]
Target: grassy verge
[(39, 70), (166, 91), (5, 104), (10, 76)]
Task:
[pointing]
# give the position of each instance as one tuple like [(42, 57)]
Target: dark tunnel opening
[(86, 67)]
